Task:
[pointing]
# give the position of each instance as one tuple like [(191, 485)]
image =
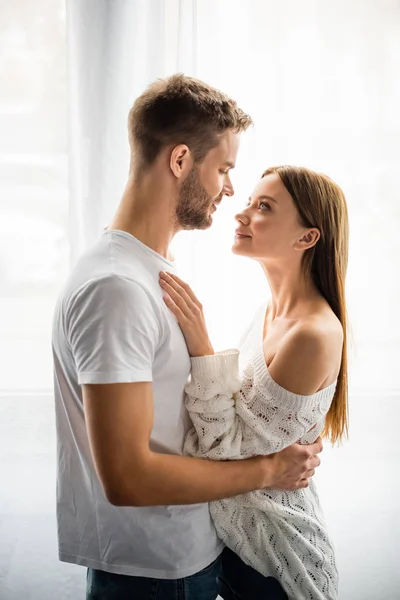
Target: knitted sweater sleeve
[(235, 418)]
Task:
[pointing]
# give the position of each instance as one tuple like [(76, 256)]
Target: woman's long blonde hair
[(321, 204)]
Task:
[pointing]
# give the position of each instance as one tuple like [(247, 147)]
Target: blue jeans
[(238, 581), (108, 586)]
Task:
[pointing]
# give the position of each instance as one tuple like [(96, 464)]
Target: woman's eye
[(264, 205)]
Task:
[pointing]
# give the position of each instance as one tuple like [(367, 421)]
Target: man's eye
[(223, 172)]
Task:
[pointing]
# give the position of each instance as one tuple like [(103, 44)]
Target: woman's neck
[(291, 292)]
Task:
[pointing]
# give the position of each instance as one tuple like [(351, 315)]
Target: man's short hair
[(181, 110)]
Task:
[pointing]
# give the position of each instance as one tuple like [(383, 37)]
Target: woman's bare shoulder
[(310, 354)]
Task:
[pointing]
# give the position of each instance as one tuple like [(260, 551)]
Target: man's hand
[(292, 468)]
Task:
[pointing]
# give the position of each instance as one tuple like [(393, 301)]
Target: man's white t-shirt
[(111, 325)]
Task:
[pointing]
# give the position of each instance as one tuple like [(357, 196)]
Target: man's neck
[(147, 214)]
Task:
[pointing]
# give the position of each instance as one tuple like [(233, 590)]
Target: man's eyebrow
[(229, 164), (265, 198)]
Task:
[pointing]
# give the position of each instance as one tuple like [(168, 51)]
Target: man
[(130, 507)]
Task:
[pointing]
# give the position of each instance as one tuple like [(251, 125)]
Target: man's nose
[(228, 189)]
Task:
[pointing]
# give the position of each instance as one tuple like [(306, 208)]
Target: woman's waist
[(291, 506)]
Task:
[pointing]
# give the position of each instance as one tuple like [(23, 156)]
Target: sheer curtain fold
[(115, 50)]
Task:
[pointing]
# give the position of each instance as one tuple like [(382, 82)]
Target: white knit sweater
[(280, 534)]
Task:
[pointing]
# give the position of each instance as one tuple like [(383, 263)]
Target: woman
[(291, 384)]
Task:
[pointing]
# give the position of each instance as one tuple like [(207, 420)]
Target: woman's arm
[(236, 419)]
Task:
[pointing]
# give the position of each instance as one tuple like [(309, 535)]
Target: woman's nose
[(243, 218)]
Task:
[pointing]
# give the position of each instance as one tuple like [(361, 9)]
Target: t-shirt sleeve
[(113, 331)]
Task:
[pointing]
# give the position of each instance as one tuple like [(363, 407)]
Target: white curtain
[(115, 50), (321, 81)]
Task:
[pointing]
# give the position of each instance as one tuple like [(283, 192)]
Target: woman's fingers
[(188, 313), (186, 306), (176, 298), (174, 308), (185, 286), (177, 292)]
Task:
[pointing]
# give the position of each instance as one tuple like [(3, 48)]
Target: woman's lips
[(241, 235)]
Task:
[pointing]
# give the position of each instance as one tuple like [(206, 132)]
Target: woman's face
[(269, 227)]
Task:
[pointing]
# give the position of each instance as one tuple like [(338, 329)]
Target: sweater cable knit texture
[(239, 411)]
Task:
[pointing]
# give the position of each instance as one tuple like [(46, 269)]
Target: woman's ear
[(308, 240)]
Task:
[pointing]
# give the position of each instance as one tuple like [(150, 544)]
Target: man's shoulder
[(109, 292), (95, 274)]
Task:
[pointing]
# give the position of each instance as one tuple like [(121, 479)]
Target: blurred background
[(321, 81)]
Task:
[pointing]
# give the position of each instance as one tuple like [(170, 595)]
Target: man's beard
[(194, 203)]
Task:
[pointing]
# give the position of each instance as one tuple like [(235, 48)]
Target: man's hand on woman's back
[(292, 467)]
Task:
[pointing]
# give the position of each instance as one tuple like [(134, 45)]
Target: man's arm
[(119, 420)]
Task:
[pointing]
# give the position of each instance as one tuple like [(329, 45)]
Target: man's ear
[(181, 161)]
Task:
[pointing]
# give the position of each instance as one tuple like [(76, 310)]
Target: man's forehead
[(227, 148)]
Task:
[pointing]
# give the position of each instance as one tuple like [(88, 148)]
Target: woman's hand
[(187, 309)]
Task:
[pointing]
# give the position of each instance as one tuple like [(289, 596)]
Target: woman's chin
[(236, 249)]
